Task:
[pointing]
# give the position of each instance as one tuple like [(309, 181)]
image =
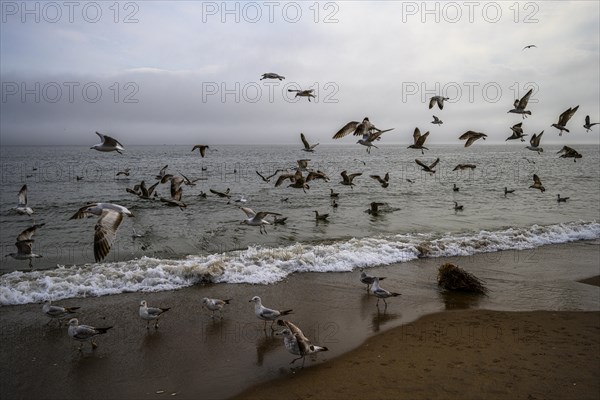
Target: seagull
[(537, 183), (369, 138), (455, 188), (374, 208), (563, 119), (221, 194), (111, 217), (142, 191), (381, 293), (428, 168), (535, 143), (356, 128), (124, 172), (312, 175), (303, 164), (419, 140), (457, 207), (561, 199), (24, 243), (334, 203), (439, 100), (368, 279), (267, 314), (108, 144), (437, 121), (529, 46), (162, 175), (271, 75), (151, 313), (569, 152), (296, 342), (333, 194), (22, 207), (257, 219), (297, 180), (385, 182), (56, 312), (320, 217), (347, 179), (268, 178), (201, 148), (190, 182), (279, 221), (507, 191), (307, 146), (472, 136), (303, 93), (589, 125), (83, 333), (464, 166), (215, 305), (520, 105), (517, 132)]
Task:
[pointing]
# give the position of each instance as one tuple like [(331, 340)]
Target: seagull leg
[(147, 324), (156, 324), (94, 345)]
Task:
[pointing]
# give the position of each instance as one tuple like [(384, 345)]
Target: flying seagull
[(84, 333), (22, 207), (534, 143), (589, 125), (369, 138), (439, 100), (257, 219), (520, 105), (569, 152), (517, 132), (437, 121), (303, 93), (151, 313), (472, 136), (419, 141), (201, 148), (347, 179), (529, 46), (385, 181), (272, 75), (561, 125), (537, 184), (24, 243), (108, 144), (307, 146), (428, 168), (111, 217), (124, 172), (267, 314), (356, 128)]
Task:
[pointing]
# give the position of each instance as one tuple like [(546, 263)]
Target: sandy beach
[(512, 343)]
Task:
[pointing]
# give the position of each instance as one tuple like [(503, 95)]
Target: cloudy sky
[(184, 72)]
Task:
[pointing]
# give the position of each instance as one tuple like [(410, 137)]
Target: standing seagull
[(296, 342), (111, 217), (272, 75), (587, 124), (307, 146), (24, 243), (534, 143), (83, 333), (108, 144), (303, 93), (257, 219), (437, 121), (520, 105), (537, 184), (472, 136), (561, 125), (215, 305), (151, 313), (368, 279), (267, 314), (201, 148), (56, 312), (381, 293), (439, 100), (22, 207), (419, 140)]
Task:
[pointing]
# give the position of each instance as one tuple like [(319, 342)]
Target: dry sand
[(473, 354)]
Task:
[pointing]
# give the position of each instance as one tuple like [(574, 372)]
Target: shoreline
[(221, 358)]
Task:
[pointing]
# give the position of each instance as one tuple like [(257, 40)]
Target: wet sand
[(194, 356)]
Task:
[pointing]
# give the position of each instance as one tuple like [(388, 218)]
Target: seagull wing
[(305, 142), (566, 116), (419, 162), (470, 141), (263, 214), (81, 213), (249, 212), (587, 119), (421, 140), (23, 196), (432, 166), (105, 232), (524, 100), (432, 101), (111, 141), (536, 180), (350, 127), (24, 246), (282, 178)]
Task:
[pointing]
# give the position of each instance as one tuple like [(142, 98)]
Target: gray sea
[(205, 241)]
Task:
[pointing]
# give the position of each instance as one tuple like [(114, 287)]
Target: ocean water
[(205, 242)]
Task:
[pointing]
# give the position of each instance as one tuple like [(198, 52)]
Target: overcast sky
[(183, 72)]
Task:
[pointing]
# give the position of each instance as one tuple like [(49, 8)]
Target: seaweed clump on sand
[(451, 277)]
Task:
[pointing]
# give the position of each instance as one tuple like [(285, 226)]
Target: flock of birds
[(295, 341)]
